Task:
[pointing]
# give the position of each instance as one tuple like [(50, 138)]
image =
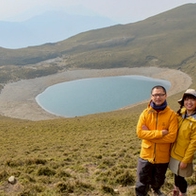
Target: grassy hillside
[(91, 155), (81, 156)]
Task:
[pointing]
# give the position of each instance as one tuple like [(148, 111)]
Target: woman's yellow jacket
[(155, 147), (185, 145)]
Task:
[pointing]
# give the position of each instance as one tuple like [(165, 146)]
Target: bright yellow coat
[(155, 147), (185, 145)]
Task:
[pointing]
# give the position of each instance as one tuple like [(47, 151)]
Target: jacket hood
[(192, 117)]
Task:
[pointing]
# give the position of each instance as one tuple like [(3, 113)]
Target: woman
[(183, 149)]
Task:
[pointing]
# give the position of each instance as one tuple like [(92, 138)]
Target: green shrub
[(45, 171), (125, 179)]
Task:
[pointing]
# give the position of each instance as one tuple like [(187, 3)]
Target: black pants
[(149, 176), (181, 183)]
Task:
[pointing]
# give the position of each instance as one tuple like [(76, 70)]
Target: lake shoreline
[(17, 99)]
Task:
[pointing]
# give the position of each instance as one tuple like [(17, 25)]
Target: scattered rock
[(116, 191), (12, 180)]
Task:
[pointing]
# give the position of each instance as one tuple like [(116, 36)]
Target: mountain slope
[(165, 40)]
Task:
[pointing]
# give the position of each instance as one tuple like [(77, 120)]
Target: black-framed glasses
[(158, 95)]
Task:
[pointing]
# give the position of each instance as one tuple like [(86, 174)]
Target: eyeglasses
[(158, 95)]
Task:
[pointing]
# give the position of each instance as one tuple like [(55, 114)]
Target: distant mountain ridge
[(49, 27)]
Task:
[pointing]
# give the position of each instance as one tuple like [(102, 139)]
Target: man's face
[(158, 96)]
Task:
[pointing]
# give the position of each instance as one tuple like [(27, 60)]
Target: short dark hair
[(158, 87), (189, 96)]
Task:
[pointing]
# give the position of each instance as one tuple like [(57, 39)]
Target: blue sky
[(121, 11)]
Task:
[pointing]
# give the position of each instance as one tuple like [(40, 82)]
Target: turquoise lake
[(96, 95)]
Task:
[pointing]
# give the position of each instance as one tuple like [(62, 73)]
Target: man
[(157, 127)]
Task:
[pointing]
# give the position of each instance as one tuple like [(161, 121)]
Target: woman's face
[(190, 103)]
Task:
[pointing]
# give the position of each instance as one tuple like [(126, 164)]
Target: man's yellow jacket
[(155, 146)]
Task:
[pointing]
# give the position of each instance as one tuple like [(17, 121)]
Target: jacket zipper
[(155, 143)]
